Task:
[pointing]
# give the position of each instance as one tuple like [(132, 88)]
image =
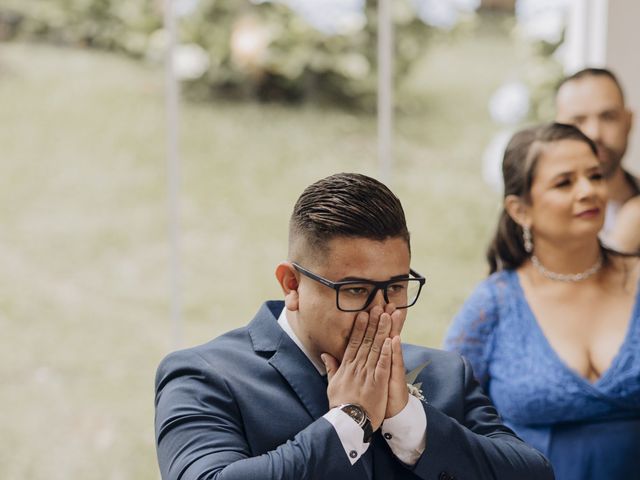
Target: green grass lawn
[(84, 310)]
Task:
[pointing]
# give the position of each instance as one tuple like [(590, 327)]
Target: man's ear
[(518, 210), (288, 279), (630, 117)]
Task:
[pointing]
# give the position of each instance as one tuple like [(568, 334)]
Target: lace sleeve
[(472, 329)]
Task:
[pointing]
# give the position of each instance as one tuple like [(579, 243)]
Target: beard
[(609, 158)]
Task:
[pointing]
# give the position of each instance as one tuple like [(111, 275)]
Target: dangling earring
[(526, 236)]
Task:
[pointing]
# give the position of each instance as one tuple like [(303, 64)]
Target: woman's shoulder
[(475, 326), (632, 205), (490, 293), (629, 214), (498, 281), (625, 271), (625, 234)]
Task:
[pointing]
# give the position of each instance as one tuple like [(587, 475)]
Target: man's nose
[(592, 129), (378, 299)]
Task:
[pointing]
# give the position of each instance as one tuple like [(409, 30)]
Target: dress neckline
[(608, 373)]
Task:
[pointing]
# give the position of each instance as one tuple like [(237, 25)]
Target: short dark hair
[(519, 163), (344, 205), (592, 72)]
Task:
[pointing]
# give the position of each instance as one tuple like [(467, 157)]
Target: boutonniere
[(415, 389)]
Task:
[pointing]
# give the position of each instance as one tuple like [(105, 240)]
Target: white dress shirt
[(406, 432)]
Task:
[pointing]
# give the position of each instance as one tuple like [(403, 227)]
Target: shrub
[(248, 50)]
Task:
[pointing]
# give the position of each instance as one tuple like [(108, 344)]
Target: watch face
[(355, 412), (360, 417)]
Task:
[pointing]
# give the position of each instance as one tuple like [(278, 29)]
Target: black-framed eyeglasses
[(357, 295)]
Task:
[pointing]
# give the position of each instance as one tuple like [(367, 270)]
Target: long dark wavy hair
[(506, 250)]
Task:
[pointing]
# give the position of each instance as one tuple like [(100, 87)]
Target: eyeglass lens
[(354, 296)]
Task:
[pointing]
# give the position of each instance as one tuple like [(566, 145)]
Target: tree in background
[(261, 49)]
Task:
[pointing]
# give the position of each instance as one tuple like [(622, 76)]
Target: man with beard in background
[(592, 100)]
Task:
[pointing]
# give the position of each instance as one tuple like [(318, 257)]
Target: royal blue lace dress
[(589, 431)]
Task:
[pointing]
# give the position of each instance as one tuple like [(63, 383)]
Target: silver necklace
[(566, 277)]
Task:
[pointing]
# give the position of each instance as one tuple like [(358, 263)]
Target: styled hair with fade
[(344, 205)]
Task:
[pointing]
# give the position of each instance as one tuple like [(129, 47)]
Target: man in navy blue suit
[(315, 387)]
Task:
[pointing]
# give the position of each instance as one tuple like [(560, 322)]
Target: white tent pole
[(385, 90), (173, 175)]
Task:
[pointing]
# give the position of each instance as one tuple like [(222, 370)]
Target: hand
[(397, 319), (363, 376), (398, 392)]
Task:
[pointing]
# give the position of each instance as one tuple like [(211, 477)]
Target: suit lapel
[(311, 389), (302, 376), (288, 359), (298, 371)]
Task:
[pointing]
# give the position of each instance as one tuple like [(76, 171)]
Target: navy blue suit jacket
[(249, 405)]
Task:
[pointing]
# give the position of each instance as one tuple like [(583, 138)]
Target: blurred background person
[(592, 99), (558, 351)]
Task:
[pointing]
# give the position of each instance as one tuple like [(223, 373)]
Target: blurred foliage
[(106, 24), (298, 61), (251, 50), (544, 73), (537, 66)]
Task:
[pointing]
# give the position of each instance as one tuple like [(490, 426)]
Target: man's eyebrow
[(360, 279), (609, 111), (355, 279)]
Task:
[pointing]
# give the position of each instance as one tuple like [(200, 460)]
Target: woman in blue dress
[(553, 333)]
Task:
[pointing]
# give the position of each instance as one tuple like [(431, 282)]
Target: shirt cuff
[(349, 433), (406, 432)]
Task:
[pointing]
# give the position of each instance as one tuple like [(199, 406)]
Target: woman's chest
[(585, 330), (534, 379)]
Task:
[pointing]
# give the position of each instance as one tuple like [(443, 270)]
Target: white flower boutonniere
[(415, 389)]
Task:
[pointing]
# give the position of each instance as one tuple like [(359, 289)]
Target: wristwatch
[(360, 417)]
